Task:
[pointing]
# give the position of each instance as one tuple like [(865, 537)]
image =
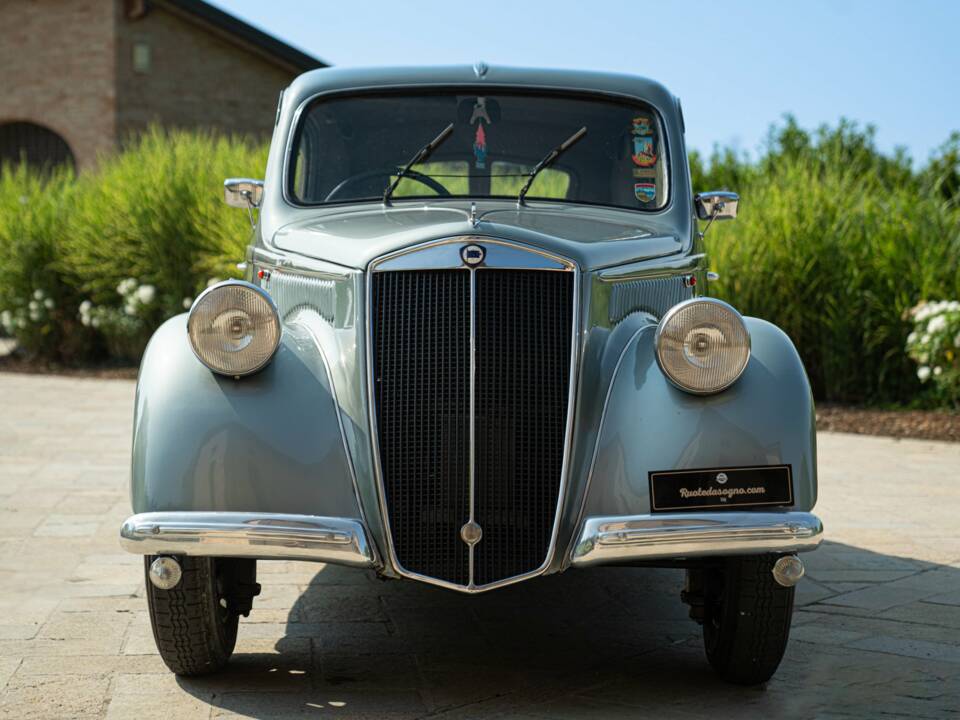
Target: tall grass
[(152, 216), (834, 243), (37, 305), (156, 213)]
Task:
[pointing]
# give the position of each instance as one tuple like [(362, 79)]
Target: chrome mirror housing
[(243, 192), (716, 205)]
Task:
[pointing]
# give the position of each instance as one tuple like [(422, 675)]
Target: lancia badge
[(472, 254)]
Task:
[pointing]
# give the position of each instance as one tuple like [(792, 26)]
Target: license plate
[(721, 488)]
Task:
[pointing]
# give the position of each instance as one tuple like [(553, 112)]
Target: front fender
[(267, 443), (765, 418)]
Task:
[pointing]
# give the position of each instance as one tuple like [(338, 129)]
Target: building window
[(141, 57), (34, 144)]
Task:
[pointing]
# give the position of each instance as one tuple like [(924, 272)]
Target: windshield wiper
[(421, 155), (551, 156)]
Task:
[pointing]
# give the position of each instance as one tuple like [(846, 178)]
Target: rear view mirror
[(716, 205)]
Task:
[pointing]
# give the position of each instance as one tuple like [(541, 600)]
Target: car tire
[(746, 619), (193, 625)]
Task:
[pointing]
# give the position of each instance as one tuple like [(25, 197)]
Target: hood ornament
[(473, 215)]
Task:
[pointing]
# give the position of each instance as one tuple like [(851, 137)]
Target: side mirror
[(243, 192), (716, 205)]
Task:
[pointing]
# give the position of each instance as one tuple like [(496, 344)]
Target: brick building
[(77, 77)]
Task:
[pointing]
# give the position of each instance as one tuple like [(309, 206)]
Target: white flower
[(85, 307), (923, 373), (923, 357), (130, 308), (146, 294), (85, 320), (937, 324), (21, 322), (126, 286), (6, 319), (213, 281), (38, 294), (912, 338), (956, 341), (95, 321), (48, 303), (187, 302), (34, 315), (34, 306), (937, 371)]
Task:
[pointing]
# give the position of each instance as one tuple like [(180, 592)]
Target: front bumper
[(250, 535), (609, 540)]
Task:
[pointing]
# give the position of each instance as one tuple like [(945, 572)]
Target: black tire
[(194, 628), (746, 621)]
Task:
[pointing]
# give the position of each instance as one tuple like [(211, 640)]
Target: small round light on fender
[(702, 345), (234, 328)]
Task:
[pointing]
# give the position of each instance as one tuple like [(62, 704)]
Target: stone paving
[(877, 633)]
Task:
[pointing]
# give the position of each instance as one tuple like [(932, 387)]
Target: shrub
[(835, 244), (37, 304), (150, 229)]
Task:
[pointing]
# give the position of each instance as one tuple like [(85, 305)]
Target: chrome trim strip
[(650, 268), (302, 265), (684, 535), (472, 461), (436, 256), (252, 535), (391, 558)]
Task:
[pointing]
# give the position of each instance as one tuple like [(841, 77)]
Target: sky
[(737, 65)]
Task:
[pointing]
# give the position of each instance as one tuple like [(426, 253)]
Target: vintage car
[(474, 346)]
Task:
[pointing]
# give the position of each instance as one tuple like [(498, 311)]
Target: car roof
[(337, 79)]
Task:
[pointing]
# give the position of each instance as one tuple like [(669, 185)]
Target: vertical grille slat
[(421, 366)]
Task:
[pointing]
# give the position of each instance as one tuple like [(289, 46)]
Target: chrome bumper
[(676, 536), (250, 535)]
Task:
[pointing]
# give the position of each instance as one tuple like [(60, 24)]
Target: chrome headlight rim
[(658, 345), (273, 311)]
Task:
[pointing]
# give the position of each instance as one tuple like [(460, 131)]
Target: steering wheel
[(386, 175)]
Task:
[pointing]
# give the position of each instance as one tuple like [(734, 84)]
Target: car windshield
[(350, 149)]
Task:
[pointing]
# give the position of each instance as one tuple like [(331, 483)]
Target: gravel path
[(877, 631)]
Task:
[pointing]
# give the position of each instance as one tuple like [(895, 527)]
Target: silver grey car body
[(286, 463)]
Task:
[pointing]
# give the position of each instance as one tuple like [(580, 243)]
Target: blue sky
[(737, 65)]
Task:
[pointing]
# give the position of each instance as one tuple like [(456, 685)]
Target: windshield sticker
[(480, 116), (643, 152), (642, 126), (645, 191)]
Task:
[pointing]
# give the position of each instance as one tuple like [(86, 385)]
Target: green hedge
[(835, 243), (123, 247)]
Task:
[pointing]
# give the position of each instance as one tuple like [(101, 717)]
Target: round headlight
[(702, 345), (234, 328)]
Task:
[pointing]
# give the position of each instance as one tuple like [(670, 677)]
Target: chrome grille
[(421, 363)]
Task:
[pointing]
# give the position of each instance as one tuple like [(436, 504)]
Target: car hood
[(593, 237)]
